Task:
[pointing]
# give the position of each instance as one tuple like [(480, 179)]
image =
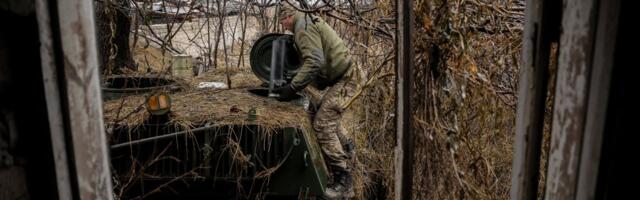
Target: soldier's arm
[(310, 46)]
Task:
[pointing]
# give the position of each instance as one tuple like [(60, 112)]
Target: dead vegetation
[(465, 76), (220, 107), (467, 60)]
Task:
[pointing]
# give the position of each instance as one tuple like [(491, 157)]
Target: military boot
[(341, 187)]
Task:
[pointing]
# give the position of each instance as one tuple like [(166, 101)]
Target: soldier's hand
[(286, 92)]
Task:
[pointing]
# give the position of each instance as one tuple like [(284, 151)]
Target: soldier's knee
[(321, 122), (318, 127)]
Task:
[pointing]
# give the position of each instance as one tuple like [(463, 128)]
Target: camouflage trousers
[(326, 117)]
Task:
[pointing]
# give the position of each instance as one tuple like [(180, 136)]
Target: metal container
[(118, 86)]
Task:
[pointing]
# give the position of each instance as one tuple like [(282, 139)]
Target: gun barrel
[(278, 55)]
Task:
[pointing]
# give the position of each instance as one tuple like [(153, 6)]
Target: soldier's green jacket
[(325, 56)]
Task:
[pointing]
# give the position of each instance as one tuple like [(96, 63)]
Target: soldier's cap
[(286, 10)]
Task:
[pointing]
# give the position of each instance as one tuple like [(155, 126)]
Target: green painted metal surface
[(295, 154), (304, 172), (260, 57)]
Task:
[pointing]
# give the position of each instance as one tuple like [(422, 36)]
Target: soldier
[(326, 66)]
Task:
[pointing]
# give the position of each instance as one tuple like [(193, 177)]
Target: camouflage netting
[(225, 110), (219, 107)]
